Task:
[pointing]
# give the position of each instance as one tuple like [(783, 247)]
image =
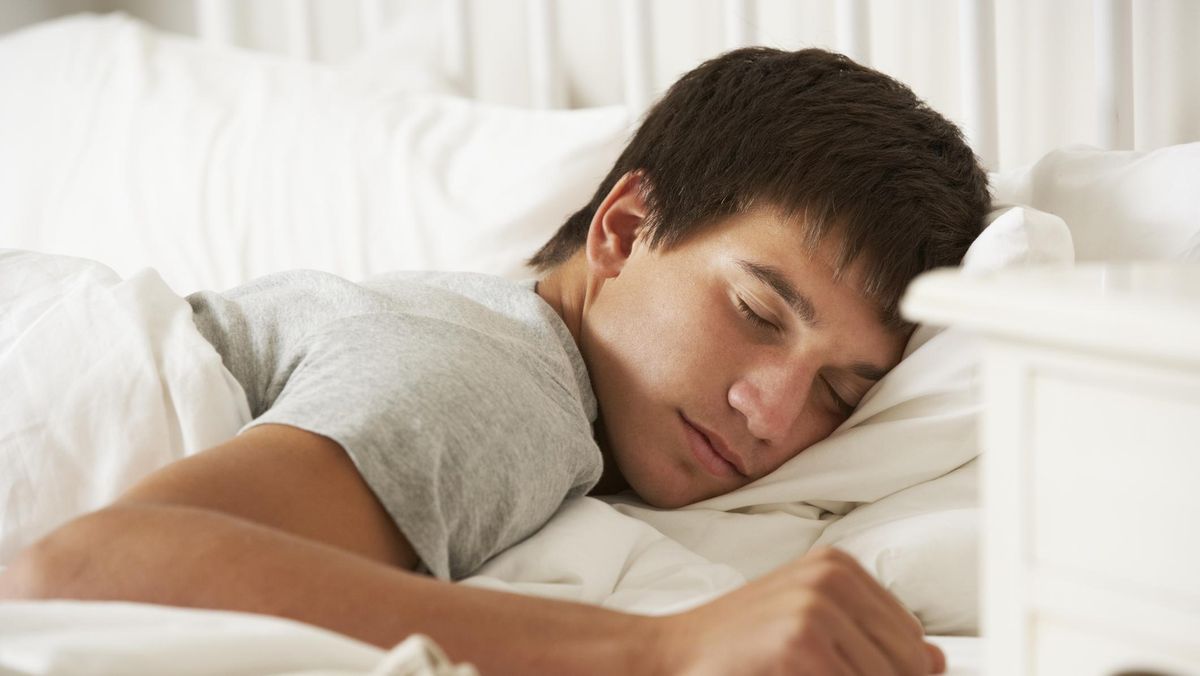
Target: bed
[(137, 165)]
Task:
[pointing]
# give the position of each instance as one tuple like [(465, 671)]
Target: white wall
[(1044, 59)]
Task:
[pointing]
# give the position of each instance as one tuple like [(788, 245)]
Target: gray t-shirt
[(461, 397)]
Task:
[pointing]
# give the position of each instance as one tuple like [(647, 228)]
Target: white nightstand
[(1091, 462)]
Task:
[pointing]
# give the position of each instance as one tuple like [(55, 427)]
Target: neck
[(611, 480), (565, 290)]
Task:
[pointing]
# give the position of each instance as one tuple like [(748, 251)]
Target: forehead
[(774, 255), (765, 245)]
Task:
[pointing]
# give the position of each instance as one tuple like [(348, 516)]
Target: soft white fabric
[(922, 543), (216, 166), (408, 55), (1119, 205), (658, 561), (135, 639), (1017, 235), (123, 144), (104, 381), (181, 400), (255, 164), (68, 638), (591, 553)]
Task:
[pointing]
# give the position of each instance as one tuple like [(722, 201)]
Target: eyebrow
[(803, 307), (772, 277)]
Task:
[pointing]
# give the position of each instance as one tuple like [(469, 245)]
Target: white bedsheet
[(133, 639), (107, 379)]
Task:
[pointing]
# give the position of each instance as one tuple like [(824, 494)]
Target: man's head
[(758, 170)]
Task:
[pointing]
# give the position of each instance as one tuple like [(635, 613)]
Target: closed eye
[(754, 316), (840, 403)]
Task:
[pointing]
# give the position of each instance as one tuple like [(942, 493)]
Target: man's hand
[(821, 614)]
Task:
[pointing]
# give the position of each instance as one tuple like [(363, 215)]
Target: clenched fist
[(821, 614)]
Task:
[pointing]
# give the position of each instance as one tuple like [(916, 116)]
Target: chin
[(655, 495), (670, 503), (656, 478)]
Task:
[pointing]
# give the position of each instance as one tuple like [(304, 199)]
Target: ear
[(615, 226)]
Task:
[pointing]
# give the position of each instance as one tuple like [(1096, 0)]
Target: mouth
[(707, 454)]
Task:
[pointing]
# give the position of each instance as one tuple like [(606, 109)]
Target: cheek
[(814, 426), (675, 334), (819, 425), (699, 343), (671, 342)]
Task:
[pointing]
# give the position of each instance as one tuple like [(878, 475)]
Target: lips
[(712, 452)]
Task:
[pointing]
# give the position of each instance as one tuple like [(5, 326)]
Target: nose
[(772, 396)]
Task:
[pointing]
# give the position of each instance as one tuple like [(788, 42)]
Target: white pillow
[(922, 543), (1119, 205), (1015, 235), (214, 166), (105, 380)]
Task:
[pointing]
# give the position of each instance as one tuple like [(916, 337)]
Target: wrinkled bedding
[(113, 380), (131, 639)]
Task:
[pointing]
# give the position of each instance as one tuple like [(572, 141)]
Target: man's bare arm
[(193, 557), (279, 522)]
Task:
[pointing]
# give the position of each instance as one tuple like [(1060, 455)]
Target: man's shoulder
[(498, 294)]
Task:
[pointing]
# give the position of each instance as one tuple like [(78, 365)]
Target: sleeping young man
[(723, 302)]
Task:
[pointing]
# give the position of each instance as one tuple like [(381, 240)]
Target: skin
[(769, 392), (278, 521)]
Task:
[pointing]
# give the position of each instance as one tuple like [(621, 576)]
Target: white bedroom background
[(1046, 64), (128, 148)]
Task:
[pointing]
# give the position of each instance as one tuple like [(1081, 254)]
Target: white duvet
[(107, 378)]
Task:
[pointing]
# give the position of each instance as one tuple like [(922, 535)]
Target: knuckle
[(844, 558), (831, 574), (803, 637), (918, 627), (825, 553), (810, 603), (803, 623), (803, 604), (832, 558)]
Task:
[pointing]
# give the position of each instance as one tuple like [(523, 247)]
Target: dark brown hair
[(832, 145)]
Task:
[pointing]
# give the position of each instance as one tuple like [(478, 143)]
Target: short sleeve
[(467, 441)]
